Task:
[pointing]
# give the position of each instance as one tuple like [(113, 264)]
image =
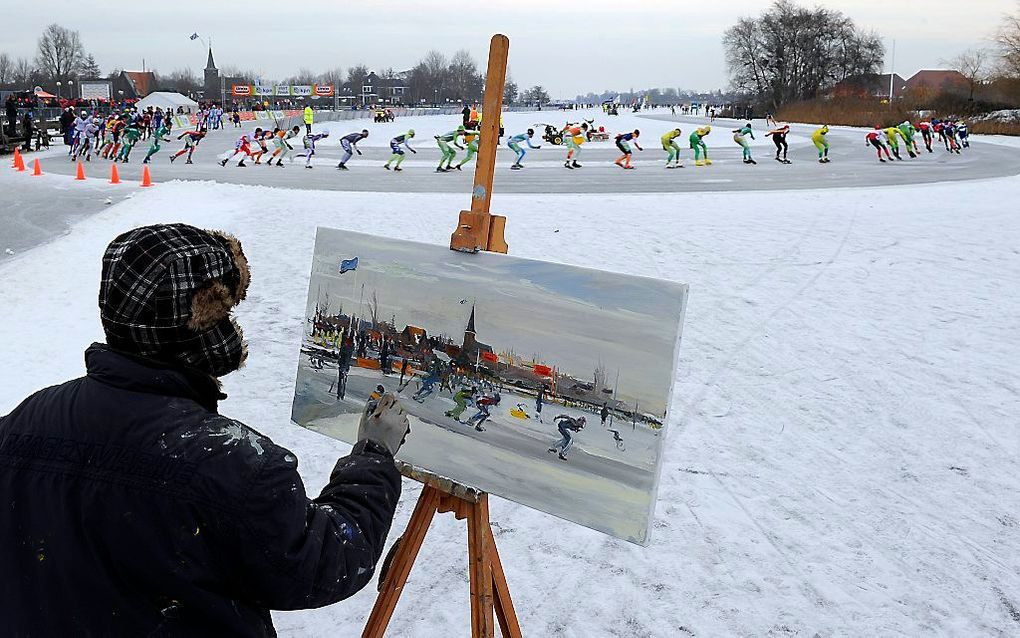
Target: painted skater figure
[(484, 405), (672, 148), (397, 152), (697, 141), (740, 136), (514, 143), (778, 136), (623, 142), (349, 143), (567, 426), (462, 398)]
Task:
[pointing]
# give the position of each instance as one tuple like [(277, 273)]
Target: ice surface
[(844, 456)]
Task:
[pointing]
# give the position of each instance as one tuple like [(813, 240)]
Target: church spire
[(210, 64), (471, 321)]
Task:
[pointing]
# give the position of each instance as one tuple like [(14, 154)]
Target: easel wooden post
[(490, 595), (476, 230)]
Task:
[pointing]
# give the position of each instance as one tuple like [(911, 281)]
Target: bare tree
[(182, 80), (6, 69), (1008, 41), (973, 65), (304, 77), (59, 54), (23, 72), (357, 75), (334, 76), (791, 53), (464, 81)]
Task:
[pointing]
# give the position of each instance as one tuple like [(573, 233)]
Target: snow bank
[(842, 453)]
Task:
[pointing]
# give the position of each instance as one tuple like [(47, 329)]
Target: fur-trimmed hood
[(168, 291)]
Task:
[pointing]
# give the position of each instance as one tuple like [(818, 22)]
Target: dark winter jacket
[(131, 508)]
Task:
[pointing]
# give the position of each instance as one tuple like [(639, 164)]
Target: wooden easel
[(477, 230), (489, 591)]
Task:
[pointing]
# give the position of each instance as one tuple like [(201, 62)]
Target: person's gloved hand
[(385, 425)]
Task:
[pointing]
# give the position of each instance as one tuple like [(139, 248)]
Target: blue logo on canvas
[(348, 264)]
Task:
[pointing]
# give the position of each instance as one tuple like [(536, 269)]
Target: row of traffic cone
[(19, 165)]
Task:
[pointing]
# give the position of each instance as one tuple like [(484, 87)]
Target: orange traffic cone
[(114, 176), (36, 168), (19, 161), (81, 172), (146, 178)]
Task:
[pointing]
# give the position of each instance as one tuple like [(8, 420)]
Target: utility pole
[(892, 72)]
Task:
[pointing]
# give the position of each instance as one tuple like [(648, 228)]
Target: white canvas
[(476, 327)]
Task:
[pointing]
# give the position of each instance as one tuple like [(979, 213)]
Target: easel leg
[(411, 542), (505, 613), (480, 569)]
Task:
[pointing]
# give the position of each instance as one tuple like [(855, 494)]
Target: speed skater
[(398, 153), (515, 145), (672, 150), (623, 143)]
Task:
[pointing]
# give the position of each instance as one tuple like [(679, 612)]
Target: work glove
[(385, 424)]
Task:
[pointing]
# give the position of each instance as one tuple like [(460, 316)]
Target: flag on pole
[(194, 36), (348, 264)]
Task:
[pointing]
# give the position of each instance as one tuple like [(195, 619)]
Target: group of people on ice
[(114, 136), (952, 134)]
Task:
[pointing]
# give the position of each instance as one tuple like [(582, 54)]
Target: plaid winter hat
[(167, 292)]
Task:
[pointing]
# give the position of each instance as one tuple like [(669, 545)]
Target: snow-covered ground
[(841, 457)]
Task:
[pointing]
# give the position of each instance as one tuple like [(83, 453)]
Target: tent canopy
[(165, 100)]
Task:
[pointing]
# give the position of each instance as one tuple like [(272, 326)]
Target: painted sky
[(574, 318), (569, 47)]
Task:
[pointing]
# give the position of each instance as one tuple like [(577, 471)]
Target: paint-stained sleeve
[(306, 553)]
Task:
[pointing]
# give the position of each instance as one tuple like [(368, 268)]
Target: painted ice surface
[(560, 347)]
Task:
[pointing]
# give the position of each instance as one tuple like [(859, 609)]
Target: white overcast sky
[(568, 47)]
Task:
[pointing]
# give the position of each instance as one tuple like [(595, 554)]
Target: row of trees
[(791, 53), (60, 56)]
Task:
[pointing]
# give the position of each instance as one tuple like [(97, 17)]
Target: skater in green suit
[(461, 399), (740, 136), (698, 146), (471, 138), (131, 137), (159, 136), (449, 154)]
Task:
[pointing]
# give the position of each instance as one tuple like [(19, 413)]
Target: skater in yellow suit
[(822, 144), (672, 150)]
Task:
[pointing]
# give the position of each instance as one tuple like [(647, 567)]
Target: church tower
[(469, 334), (212, 91)]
